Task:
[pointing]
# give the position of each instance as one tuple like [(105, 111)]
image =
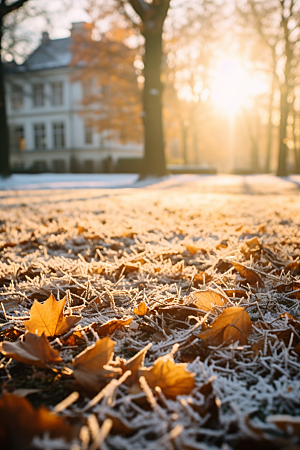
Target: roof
[(51, 54)]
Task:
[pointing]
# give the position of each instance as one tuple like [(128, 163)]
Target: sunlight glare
[(234, 87)]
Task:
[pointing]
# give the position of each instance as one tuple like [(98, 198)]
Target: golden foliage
[(233, 324), (48, 318)]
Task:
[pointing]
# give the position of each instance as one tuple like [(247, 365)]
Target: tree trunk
[(296, 149), (154, 154), (284, 110), (270, 127), (4, 138), (184, 129)]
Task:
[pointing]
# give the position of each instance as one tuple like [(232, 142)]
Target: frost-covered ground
[(146, 242), (210, 183)]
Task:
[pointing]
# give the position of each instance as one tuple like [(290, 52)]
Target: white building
[(44, 106)]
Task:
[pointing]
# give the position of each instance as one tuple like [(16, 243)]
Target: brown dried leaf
[(293, 267), (34, 350), (125, 269), (173, 379), (48, 318), (141, 310), (20, 422), (91, 367), (134, 364), (112, 325), (235, 293), (233, 324), (201, 278), (251, 276), (207, 300)]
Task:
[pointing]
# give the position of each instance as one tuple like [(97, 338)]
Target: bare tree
[(278, 26)]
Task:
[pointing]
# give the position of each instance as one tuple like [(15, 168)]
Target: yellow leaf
[(91, 368), (173, 379), (233, 324), (207, 300), (48, 318), (141, 310), (34, 350)]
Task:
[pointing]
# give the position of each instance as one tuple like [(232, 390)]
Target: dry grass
[(109, 250)]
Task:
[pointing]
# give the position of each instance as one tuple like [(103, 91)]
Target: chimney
[(81, 29), (45, 38)]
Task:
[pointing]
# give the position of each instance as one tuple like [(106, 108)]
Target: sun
[(234, 87)]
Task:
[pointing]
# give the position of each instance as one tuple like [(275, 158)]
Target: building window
[(39, 136), (18, 138), (59, 135), (38, 94), (88, 132), (17, 97), (57, 93)]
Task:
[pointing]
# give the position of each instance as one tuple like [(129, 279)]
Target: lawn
[(157, 317)]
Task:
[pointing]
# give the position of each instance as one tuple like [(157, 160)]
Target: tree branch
[(140, 7), (6, 9)]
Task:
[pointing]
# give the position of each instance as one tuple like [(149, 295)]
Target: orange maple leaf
[(48, 318)]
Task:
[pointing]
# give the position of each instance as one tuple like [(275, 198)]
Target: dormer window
[(17, 97), (38, 95), (57, 93)]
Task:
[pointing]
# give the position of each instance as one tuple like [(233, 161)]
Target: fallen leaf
[(141, 310), (125, 269), (112, 325), (192, 249), (48, 318), (207, 300), (222, 244), (34, 350), (235, 293), (251, 276), (201, 278), (252, 247), (134, 364), (20, 423), (91, 367), (293, 267), (233, 324), (173, 379), (223, 266)]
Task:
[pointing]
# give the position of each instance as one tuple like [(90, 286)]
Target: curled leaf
[(34, 350), (48, 318), (91, 367), (251, 276), (112, 325)]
